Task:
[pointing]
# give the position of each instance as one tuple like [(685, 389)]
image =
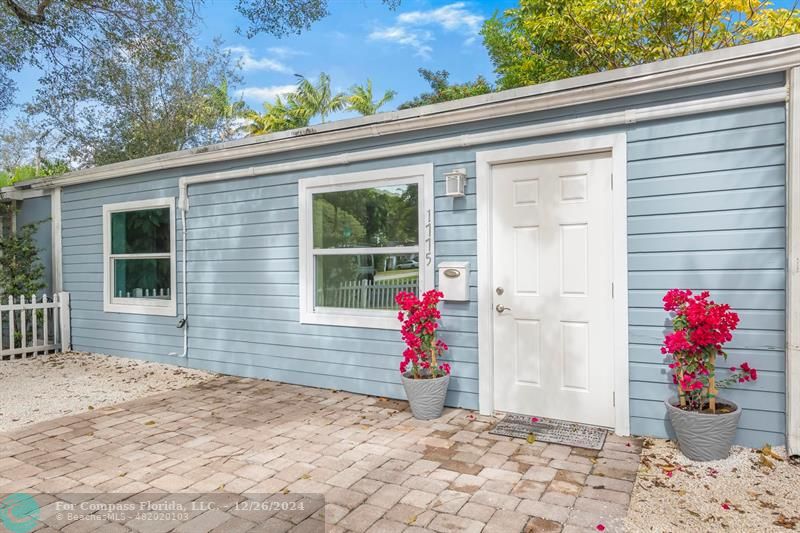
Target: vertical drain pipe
[(184, 322)]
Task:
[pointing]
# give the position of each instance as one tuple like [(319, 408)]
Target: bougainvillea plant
[(420, 318), (700, 328)]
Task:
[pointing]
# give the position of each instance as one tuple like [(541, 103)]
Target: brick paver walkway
[(378, 468)]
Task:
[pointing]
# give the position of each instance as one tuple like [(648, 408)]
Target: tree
[(279, 115), (308, 101), (60, 37), (542, 40), (45, 167), (362, 100), (444, 91), (123, 105), (221, 115), (21, 270), (282, 17), (318, 99)]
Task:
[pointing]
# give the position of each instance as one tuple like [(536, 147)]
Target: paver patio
[(377, 467)]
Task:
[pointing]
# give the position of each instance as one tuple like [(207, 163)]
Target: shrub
[(700, 327), (420, 318)]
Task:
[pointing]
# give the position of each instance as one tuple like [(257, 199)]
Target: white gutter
[(617, 118), (775, 55)]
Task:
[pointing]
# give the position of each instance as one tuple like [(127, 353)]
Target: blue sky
[(360, 39)]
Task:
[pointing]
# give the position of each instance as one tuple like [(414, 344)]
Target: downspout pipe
[(185, 320)]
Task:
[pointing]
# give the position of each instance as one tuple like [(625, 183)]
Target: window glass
[(142, 278), (366, 218), (364, 281), (141, 232)]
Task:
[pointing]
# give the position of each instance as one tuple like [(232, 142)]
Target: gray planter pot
[(426, 396), (702, 436)]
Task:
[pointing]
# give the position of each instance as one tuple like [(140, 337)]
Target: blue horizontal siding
[(706, 211)]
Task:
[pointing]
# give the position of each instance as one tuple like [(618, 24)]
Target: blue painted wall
[(37, 210), (705, 211)]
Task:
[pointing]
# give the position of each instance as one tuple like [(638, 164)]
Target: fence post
[(66, 335)]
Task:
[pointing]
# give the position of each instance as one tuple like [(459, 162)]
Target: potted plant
[(425, 378), (705, 424)]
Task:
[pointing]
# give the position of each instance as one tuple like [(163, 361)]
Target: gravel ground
[(749, 491), (45, 387)]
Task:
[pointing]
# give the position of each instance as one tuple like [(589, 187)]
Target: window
[(139, 257), (364, 237)]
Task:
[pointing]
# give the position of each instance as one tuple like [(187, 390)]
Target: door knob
[(500, 308)]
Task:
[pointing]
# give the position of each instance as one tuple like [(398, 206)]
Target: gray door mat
[(551, 430)]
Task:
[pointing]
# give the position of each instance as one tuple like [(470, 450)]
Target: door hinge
[(612, 181), (612, 289), (614, 399)]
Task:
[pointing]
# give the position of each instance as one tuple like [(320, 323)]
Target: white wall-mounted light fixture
[(455, 182)]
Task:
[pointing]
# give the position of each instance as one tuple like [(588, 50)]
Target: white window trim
[(420, 174), (138, 306)]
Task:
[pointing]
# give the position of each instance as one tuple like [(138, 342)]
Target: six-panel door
[(552, 275)]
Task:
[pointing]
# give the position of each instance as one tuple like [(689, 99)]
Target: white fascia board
[(13, 193), (775, 55)]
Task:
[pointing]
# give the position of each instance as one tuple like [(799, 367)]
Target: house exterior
[(586, 199)]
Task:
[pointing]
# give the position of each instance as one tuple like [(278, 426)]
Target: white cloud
[(401, 35), (408, 29), (266, 94), (452, 17), (284, 51), (250, 62)]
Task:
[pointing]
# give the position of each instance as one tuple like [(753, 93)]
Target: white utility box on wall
[(454, 280)]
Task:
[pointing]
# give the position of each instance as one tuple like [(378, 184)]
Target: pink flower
[(534, 420), (726, 506), (419, 317), (600, 527)]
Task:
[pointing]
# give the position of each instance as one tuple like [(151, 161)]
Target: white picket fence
[(364, 294), (31, 326), (145, 293)]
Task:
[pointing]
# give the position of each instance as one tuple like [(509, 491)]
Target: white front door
[(552, 275)]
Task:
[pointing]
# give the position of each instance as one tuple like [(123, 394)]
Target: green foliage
[(362, 100), (219, 113), (543, 40), (281, 18), (126, 105), (298, 108), (21, 270), (29, 172), (62, 38), (279, 115), (443, 91)]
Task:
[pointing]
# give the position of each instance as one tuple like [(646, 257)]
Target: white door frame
[(616, 145)]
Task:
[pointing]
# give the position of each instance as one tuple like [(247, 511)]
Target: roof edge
[(707, 67)]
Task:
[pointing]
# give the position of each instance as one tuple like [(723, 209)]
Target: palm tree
[(279, 115), (361, 99), (318, 98), (219, 112)]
